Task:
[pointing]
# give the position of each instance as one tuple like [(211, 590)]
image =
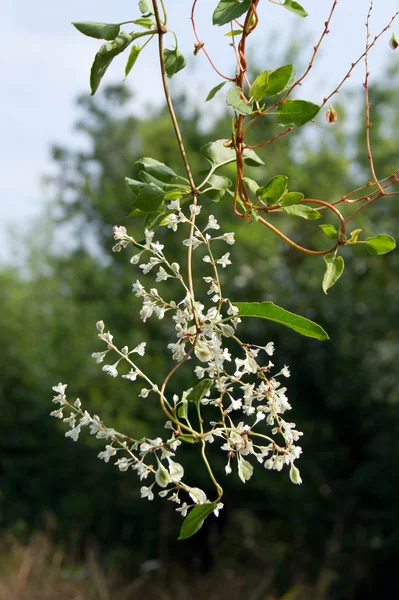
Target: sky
[(45, 65)]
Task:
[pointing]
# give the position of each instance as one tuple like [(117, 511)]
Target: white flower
[(99, 356), (140, 349), (183, 509), (212, 223), (107, 453), (138, 289), (285, 371), (174, 205), (207, 258), (162, 275), (195, 209), (77, 403), (218, 508), (123, 464), (197, 495), (119, 232), (176, 471), (146, 492), (111, 369), (148, 236), (228, 238), (144, 393), (192, 241), (269, 348), (224, 261), (135, 258), (172, 221), (132, 375), (58, 414), (100, 326), (200, 371), (60, 388), (74, 433), (157, 247), (295, 475)]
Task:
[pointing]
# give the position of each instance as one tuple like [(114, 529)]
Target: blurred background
[(72, 527)]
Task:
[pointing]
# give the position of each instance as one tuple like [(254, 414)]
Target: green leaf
[(200, 390), (105, 56), (195, 519), (174, 61), (273, 190), (300, 210), (134, 185), (296, 112), (150, 198), (218, 155), (330, 231), (271, 83), (291, 198), (154, 220), (252, 185), (145, 22), (173, 195), (228, 10), (380, 244), (133, 56), (233, 99), (295, 7), (272, 312), (217, 182), (334, 270), (182, 411), (145, 7), (215, 90), (157, 169), (100, 31), (234, 32)]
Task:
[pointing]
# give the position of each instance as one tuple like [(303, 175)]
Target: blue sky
[(46, 62)]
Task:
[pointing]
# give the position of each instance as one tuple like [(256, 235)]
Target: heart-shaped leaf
[(334, 270)]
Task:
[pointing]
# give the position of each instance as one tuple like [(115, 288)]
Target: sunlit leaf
[(271, 83), (272, 312), (233, 99), (295, 7), (330, 231), (273, 190), (380, 244), (174, 61), (218, 155), (228, 10), (100, 31), (215, 90), (133, 56), (300, 210), (334, 270), (296, 112)]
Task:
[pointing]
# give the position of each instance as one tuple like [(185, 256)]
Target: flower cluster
[(232, 376)]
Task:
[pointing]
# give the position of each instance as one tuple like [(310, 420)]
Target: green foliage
[(272, 312), (233, 99), (174, 61), (295, 7), (301, 210), (330, 231), (271, 83), (380, 244), (334, 269), (100, 31), (296, 112), (273, 191), (215, 90), (195, 520), (133, 56), (228, 10)]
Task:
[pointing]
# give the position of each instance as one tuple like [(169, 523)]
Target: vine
[(237, 399)]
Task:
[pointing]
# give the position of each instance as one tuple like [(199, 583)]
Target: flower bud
[(202, 352), (162, 476), (100, 326), (176, 471), (295, 475)]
